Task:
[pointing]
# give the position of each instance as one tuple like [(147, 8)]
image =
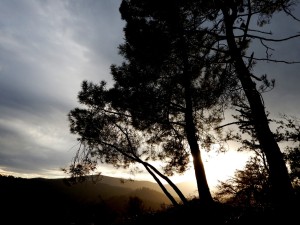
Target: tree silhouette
[(248, 187), (186, 39), (171, 84), (232, 13), (184, 63), (288, 132), (106, 135)]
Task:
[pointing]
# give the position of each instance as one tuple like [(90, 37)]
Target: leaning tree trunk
[(175, 188), (279, 177)]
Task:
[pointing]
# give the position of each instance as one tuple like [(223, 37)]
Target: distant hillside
[(189, 189), (55, 202), (110, 189), (58, 202)]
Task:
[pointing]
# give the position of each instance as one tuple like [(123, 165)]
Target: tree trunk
[(190, 129), (279, 177), (175, 188), (203, 188)]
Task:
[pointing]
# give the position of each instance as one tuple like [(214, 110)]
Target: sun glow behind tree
[(216, 166)]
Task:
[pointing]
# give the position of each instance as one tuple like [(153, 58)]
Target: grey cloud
[(33, 147), (42, 64), (99, 28)]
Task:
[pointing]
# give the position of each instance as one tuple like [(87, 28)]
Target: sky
[(48, 47)]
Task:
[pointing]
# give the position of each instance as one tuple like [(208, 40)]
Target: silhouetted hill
[(187, 188), (55, 202), (106, 187)]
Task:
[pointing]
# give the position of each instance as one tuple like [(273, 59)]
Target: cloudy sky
[(48, 47)]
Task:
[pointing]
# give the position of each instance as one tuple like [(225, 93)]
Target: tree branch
[(272, 60), (228, 124), (273, 40), (290, 14)]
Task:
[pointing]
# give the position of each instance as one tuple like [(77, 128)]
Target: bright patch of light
[(218, 167)]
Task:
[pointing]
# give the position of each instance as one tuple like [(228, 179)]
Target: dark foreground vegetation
[(55, 201), (217, 213)]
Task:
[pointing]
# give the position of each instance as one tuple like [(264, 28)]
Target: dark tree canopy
[(107, 136), (171, 82)]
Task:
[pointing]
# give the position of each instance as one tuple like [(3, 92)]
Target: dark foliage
[(217, 213)]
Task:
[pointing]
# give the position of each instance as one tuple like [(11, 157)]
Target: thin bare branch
[(228, 124), (273, 40), (290, 14), (272, 60)]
